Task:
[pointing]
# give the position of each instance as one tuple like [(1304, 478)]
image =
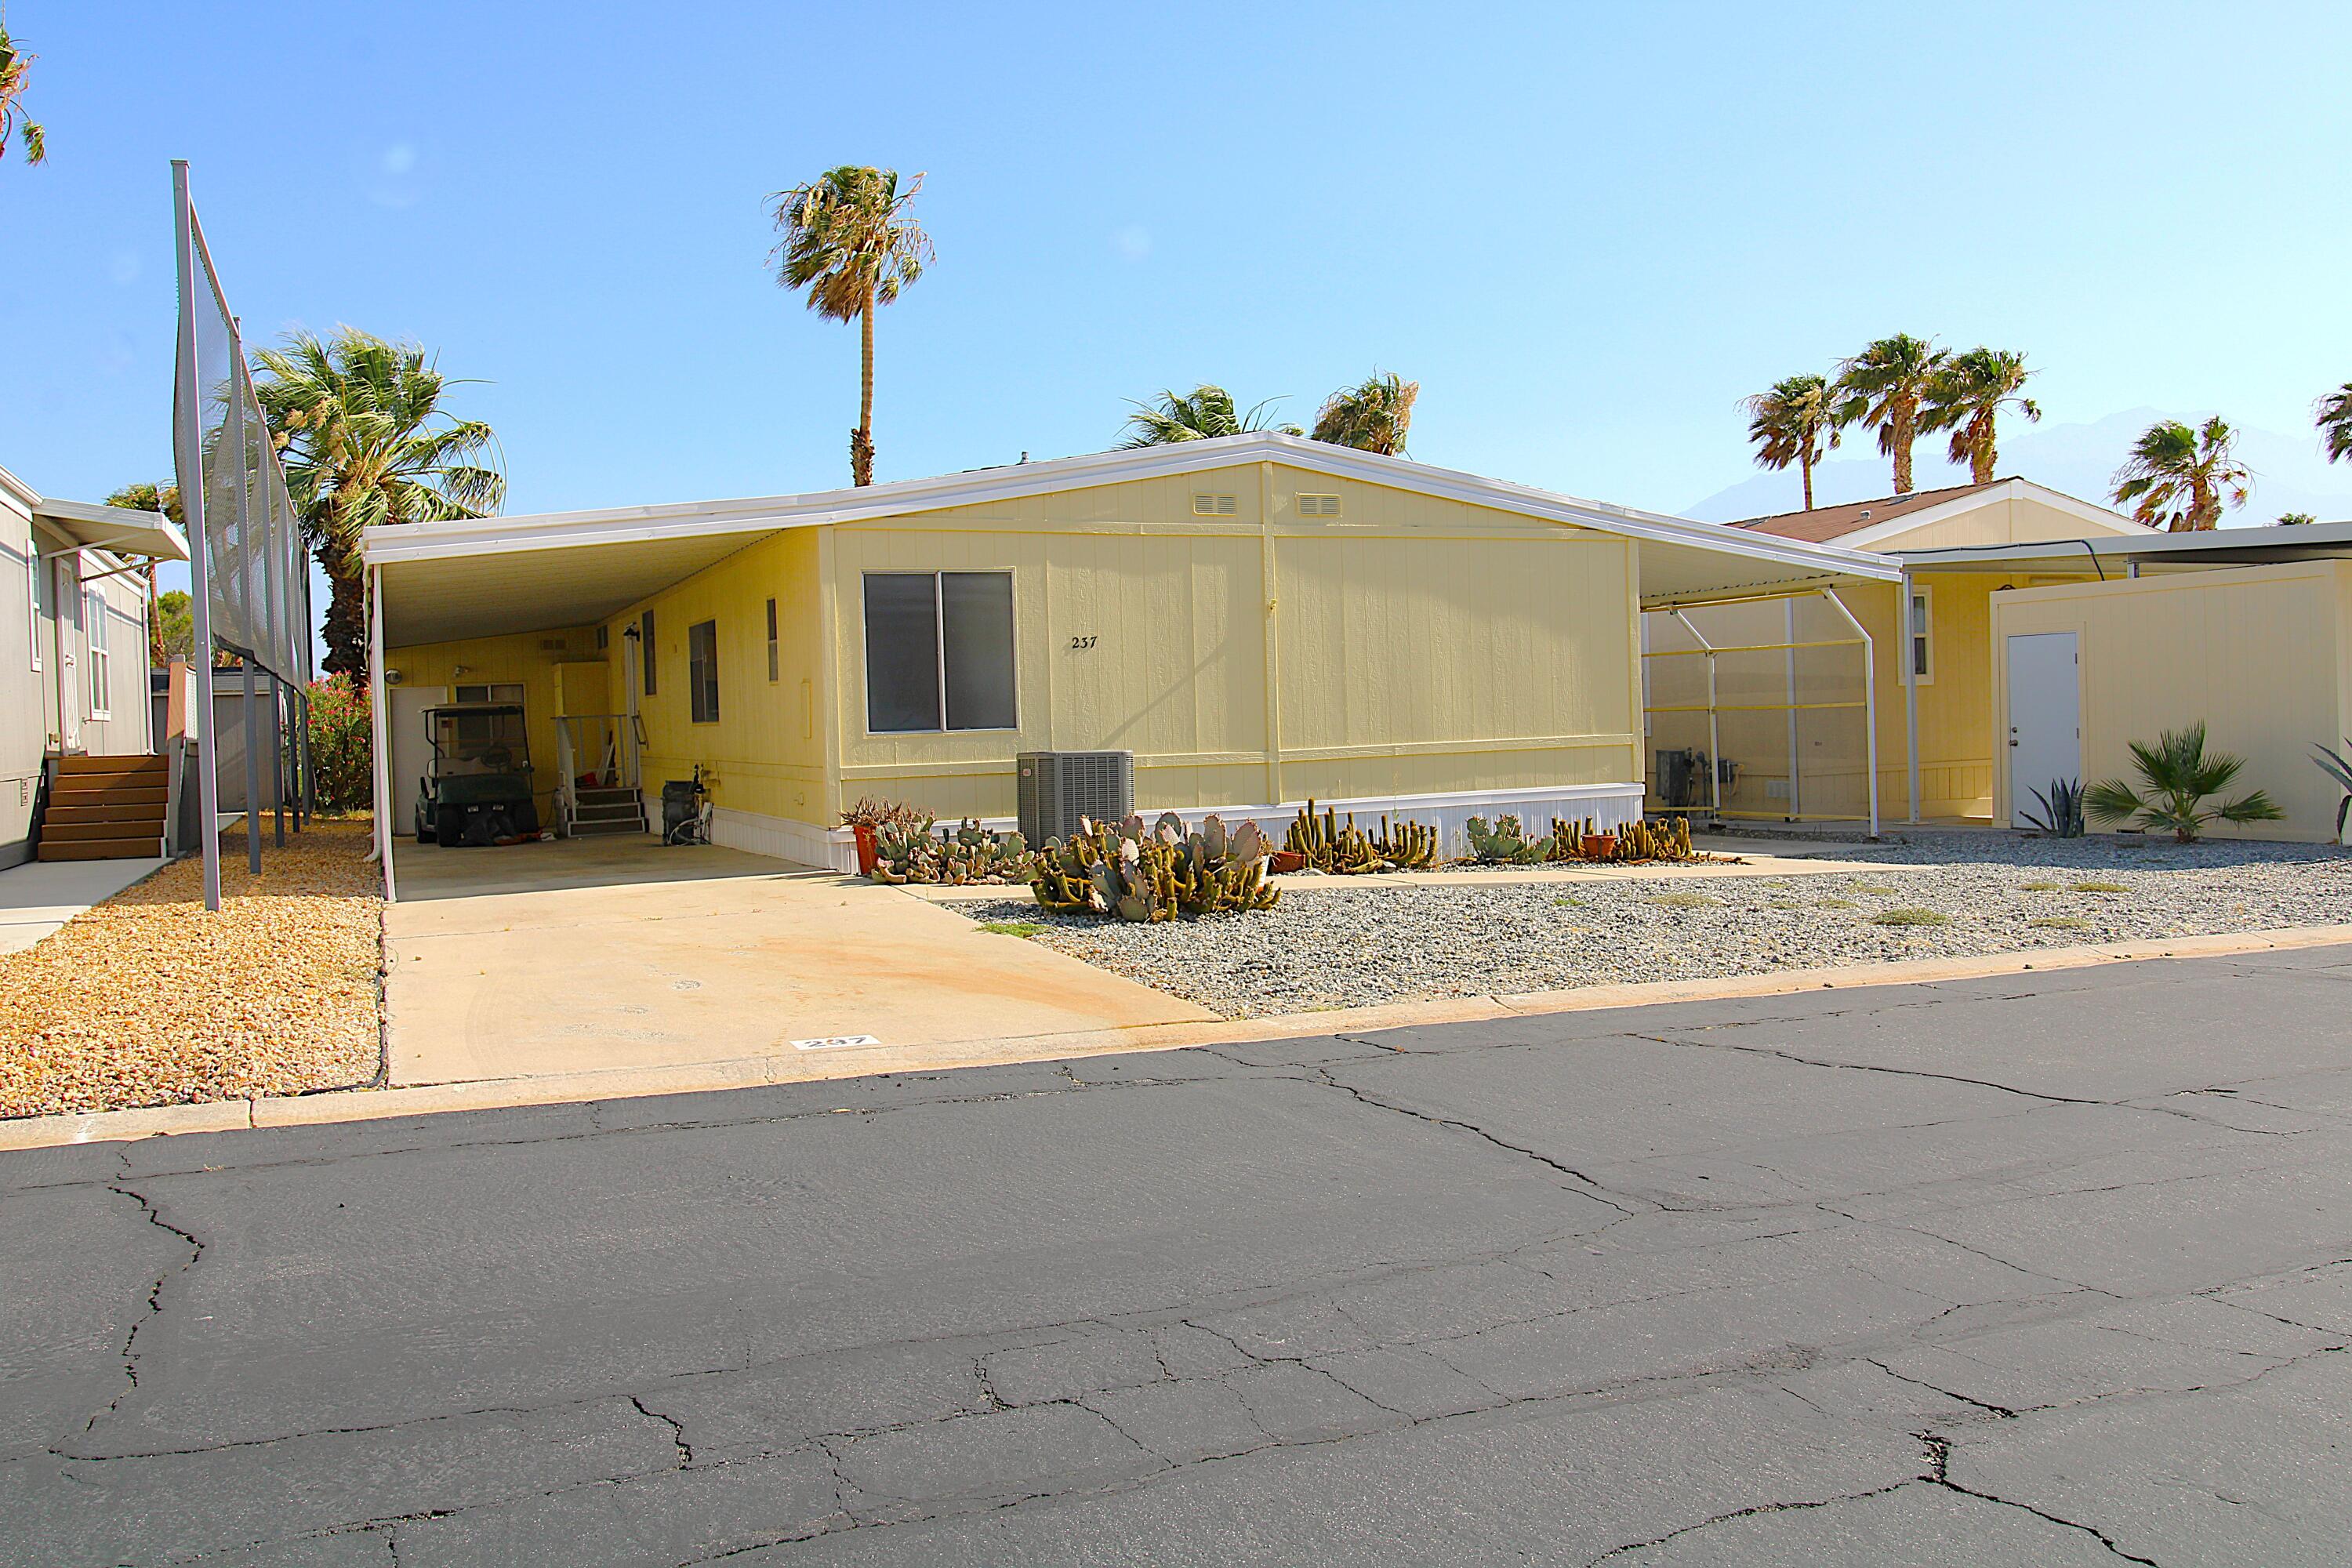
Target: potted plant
[(1599, 846)]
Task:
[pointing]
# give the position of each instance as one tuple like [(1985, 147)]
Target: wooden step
[(136, 793), (149, 827), (100, 849), (592, 829), (104, 767), (106, 811), (619, 810), (606, 796)]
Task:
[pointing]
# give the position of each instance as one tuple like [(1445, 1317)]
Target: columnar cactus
[(1346, 850)]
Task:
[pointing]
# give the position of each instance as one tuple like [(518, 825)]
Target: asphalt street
[(2051, 1269)]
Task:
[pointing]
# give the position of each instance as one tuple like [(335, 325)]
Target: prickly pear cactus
[(968, 853), (1163, 874)]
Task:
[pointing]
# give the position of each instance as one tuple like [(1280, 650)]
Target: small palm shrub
[(2179, 776), (2062, 809), (2337, 766)]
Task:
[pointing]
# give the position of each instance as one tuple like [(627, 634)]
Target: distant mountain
[(2079, 459)]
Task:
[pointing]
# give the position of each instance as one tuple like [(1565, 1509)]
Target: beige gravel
[(146, 999)]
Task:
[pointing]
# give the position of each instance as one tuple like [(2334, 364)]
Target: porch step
[(131, 811), (601, 796), (112, 767), (72, 791), (610, 811), (139, 827), (586, 828), (100, 848)]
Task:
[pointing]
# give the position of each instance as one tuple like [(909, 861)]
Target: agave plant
[(2337, 766), (2179, 777), (2062, 809)]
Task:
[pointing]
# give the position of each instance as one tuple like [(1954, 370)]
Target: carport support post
[(1869, 699), (188, 459), (1910, 697), (1714, 732), (383, 758), (252, 778), (1788, 659)]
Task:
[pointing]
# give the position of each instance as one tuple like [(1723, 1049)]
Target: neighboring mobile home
[(73, 685), (1259, 620)]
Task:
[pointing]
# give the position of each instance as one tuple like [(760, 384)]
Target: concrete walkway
[(39, 896), (600, 954)]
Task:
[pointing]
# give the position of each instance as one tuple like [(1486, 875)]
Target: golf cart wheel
[(449, 826), (423, 827)]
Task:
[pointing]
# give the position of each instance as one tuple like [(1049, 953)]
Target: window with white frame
[(36, 595), (938, 651), (100, 647), (702, 672), (1922, 651)]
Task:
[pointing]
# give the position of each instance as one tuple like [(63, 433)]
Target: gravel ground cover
[(146, 999), (1348, 944)]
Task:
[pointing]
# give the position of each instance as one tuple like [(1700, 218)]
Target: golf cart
[(477, 788)]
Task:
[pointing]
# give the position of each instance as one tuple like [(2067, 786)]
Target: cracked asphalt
[(2052, 1269)]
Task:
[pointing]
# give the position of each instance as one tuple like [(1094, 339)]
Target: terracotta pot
[(1600, 846), (866, 855), (1283, 860)]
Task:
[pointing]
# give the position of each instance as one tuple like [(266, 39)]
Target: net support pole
[(252, 775), (1714, 725), (1869, 700), (278, 760), (188, 457), (1911, 633), (381, 749)]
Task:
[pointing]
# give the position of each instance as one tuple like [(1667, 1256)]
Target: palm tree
[(14, 66), (1967, 396), (1373, 416), (850, 245), (145, 496), (2176, 479), (1201, 414), (2179, 777), (1884, 385), (358, 422), (1796, 422), (2333, 414)]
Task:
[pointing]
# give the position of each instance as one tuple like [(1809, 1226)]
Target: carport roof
[(2151, 552), (458, 579)]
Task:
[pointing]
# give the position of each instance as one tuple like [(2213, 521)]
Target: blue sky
[(1586, 231)]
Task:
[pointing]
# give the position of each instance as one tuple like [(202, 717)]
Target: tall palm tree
[(1967, 396), (1374, 415), (359, 425), (850, 245), (2178, 480), (1201, 414), (1795, 422), (15, 65), (2333, 414), (146, 496), (1884, 385)]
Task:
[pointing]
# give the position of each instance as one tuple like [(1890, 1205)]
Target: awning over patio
[(117, 528)]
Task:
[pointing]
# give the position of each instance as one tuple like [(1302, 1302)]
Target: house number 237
[(1079, 645)]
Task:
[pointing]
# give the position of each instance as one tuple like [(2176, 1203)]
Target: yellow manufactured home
[(1258, 619)]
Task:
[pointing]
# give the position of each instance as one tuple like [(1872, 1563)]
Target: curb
[(745, 1072)]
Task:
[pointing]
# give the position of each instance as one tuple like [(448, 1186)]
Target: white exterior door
[(404, 729), (2045, 718), (66, 596)]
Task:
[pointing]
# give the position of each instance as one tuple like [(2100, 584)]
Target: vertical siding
[(2259, 653)]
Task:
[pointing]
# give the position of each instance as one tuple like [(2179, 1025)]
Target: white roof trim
[(2149, 544), (499, 535), (2006, 489)]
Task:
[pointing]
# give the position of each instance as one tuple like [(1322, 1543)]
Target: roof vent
[(1204, 505), (1317, 506)]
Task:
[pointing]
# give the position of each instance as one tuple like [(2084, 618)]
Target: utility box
[(1056, 788)]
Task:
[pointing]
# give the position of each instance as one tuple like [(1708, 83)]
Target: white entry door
[(2045, 718), (410, 751), (66, 598)]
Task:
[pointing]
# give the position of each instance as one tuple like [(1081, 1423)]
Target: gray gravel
[(1350, 944)]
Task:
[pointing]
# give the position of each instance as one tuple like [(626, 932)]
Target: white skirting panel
[(784, 838), (1610, 805)]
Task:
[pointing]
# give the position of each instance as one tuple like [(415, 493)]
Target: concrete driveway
[(2051, 1269), (617, 953)]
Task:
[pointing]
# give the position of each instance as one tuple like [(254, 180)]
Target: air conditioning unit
[(1056, 788)]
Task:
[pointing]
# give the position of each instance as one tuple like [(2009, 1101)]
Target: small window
[(703, 670), (938, 651), (772, 662), (497, 691), (37, 595), (1923, 655), (645, 648), (1205, 505), (100, 655), (1317, 506)]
